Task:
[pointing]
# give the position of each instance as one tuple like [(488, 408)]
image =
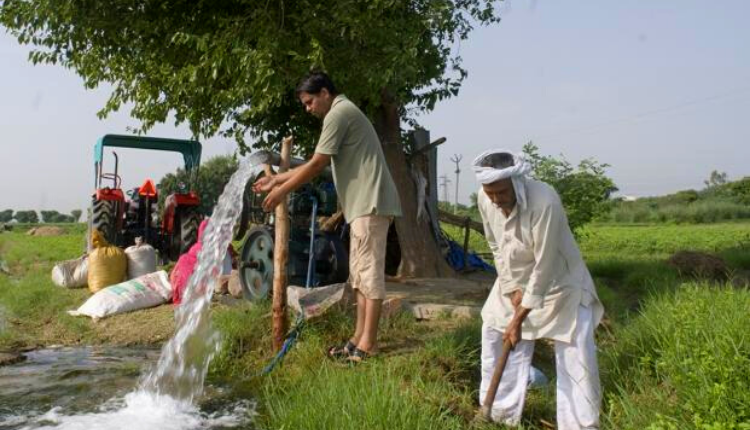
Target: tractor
[(121, 216)]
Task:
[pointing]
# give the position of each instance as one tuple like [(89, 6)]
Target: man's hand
[(512, 333), (264, 184), (273, 199), (515, 298)]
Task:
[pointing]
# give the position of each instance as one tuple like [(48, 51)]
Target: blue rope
[(299, 324)]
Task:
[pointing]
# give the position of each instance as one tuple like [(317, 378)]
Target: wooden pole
[(281, 256), (467, 232)]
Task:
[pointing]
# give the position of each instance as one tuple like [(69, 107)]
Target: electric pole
[(444, 184), (456, 159)]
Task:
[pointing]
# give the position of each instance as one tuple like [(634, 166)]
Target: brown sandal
[(358, 356), (340, 352)]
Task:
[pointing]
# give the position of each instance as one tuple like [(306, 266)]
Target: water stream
[(87, 388)]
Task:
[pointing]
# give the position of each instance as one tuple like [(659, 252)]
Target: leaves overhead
[(231, 67)]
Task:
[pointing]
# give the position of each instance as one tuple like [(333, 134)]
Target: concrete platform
[(432, 298)]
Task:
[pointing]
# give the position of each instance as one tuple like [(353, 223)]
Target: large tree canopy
[(231, 67)]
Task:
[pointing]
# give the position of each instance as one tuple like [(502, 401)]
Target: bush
[(683, 363), (584, 190)]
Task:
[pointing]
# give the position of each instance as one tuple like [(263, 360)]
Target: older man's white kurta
[(535, 252)]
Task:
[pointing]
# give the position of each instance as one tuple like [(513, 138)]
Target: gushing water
[(184, 360)]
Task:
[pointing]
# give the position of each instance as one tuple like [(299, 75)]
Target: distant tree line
[(31, 216), (720, 200)]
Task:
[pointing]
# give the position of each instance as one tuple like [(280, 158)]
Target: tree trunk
[(280, 258), (420, 255)]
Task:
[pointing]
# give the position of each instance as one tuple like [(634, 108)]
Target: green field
[(674, 351)]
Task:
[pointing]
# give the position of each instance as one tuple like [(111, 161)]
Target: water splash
[(184, 360), (142, 410), (64, 388)]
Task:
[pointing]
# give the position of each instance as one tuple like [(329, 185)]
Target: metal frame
[(190, 150)]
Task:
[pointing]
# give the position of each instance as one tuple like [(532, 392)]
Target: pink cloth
[(185, 265)]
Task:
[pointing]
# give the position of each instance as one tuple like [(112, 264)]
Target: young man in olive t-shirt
[(366, 193)]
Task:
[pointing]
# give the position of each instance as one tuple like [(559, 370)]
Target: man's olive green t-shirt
[(363, 182)]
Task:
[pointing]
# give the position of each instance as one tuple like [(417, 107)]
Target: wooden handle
[(489, 398)]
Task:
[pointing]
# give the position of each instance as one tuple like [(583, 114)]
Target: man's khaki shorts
[(368, 237)]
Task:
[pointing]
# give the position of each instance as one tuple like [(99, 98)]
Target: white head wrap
[(517, 173)]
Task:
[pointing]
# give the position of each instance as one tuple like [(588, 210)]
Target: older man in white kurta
[(543, 290)]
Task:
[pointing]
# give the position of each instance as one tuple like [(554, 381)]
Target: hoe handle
[(486, 409)]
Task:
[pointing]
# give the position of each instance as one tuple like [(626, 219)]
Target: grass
[(683, 363), (697, 212), (673, 351), (33, 311)]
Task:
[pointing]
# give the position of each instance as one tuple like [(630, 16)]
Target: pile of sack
[(124, 281), (105, 265), (121, 281)]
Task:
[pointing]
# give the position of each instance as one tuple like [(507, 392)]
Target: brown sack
[(108, 264)]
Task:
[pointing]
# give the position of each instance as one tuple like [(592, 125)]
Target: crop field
[(674, 350)]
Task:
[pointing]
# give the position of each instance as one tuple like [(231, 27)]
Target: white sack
[(140, 293), (141, 260), (71, 273)]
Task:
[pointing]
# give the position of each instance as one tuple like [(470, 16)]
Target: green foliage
[(76, 214), (6, 215), (235, 64), (56, 217), (716, 179), (469, 211), (212, 177), (29, 217), (584, 190), (684, 363), (738, 191)]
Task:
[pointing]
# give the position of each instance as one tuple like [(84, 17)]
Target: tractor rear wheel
[(103, 215), (185, 232)]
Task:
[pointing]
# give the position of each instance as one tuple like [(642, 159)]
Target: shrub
[(683, 363), (584, 190)]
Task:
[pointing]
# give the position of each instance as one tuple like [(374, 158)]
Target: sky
[(659, 90)]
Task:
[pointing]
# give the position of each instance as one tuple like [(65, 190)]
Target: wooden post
[(467, 232), (281, 256)]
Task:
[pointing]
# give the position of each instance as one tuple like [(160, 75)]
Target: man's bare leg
[(361, 311), (369, 340)]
